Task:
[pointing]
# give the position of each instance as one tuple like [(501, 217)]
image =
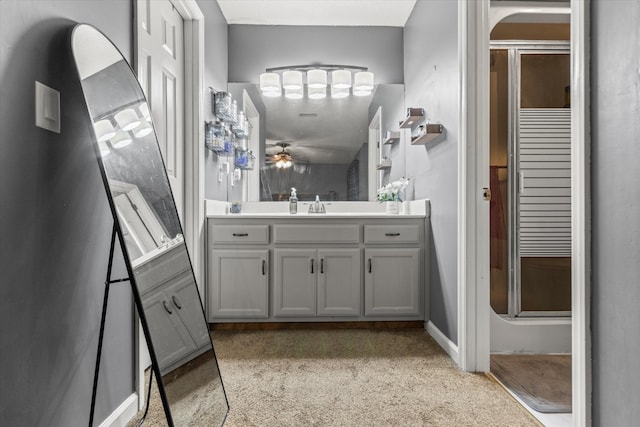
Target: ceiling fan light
[(269, 82), (104, 130), (317, 92), (292, 79), (127, 119), (293, 93), (341, 79), (363, 80), (317, 79), (338, 93)]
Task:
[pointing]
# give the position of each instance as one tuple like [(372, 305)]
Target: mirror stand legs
[(107, 284)]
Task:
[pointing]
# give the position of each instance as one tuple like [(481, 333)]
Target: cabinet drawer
[(392, 234), (239, 234), (341, 233)]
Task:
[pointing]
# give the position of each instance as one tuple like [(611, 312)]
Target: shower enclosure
[(530, 179)]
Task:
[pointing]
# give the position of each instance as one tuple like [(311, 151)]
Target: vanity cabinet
[(306, 268), (172, 308), (238, 284), (317, 282)]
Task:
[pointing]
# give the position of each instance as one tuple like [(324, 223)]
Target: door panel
[(161, 74)]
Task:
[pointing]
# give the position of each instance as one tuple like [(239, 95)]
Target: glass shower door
[(530, 177)]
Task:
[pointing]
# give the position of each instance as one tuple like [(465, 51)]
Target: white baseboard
[(447, 345), (123, 413)]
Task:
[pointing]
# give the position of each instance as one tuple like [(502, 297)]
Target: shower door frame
[(515, 49)]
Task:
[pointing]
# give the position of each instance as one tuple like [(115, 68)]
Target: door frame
[(193, 158), (473, 211)]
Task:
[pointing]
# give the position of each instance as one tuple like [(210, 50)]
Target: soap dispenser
[(293, 201)]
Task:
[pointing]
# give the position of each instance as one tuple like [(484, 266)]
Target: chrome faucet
[(317, 207)]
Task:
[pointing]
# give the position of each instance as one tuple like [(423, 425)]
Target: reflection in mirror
[(149, 229), (327, 140)]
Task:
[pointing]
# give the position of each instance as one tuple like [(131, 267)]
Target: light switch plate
[(47, 108)]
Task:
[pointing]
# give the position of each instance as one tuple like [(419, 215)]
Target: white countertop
[(220, 209)]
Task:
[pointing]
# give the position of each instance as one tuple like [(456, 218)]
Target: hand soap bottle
[(293, 202)]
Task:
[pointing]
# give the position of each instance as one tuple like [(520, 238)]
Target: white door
[(161, 74)]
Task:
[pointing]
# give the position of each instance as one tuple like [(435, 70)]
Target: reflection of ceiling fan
[(282, 159)]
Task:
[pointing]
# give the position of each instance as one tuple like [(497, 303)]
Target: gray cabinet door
[(239, 284), (339, 276), (294, 285), (186, 301), (171, 340), (392, 282)]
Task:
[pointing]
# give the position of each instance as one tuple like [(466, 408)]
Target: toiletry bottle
[(293, 202)]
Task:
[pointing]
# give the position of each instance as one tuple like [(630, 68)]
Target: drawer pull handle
[(176, 302), (321, 265), (312, 266), (240, 234), (264, 267), (392, 234), (370, 266), (166, 307)]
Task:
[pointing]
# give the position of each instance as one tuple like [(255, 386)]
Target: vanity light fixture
[(104, 130), (104, 149), (121, 140), (316, 78), (293, 93), (127, 119), (292, 79), (316, 92), (144, 111), (341, 79), (338, 92), (143, 130)]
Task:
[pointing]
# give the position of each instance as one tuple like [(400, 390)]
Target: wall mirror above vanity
[(334, 145)]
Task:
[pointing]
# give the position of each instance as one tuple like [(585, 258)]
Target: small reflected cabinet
[(305, 269)]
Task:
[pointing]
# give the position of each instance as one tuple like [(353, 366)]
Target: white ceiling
[(387, 13)]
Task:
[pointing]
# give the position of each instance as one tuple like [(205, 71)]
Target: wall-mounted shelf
[(429, 132), (385, 164), (414, 116), (421, 133), (392, 137)]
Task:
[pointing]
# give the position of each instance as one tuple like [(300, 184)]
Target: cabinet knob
[(321, 265), (264, 267), (370, 265), (392, 234), (312, 265), (240, 234)]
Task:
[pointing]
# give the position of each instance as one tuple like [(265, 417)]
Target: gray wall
[(615, 122), (55, 225), (252, 48), (431, 82), (215, 76)]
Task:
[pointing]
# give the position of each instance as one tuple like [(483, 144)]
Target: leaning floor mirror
[(149, 231)]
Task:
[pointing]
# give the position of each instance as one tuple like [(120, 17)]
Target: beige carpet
[(542, 381), (352, 378)]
